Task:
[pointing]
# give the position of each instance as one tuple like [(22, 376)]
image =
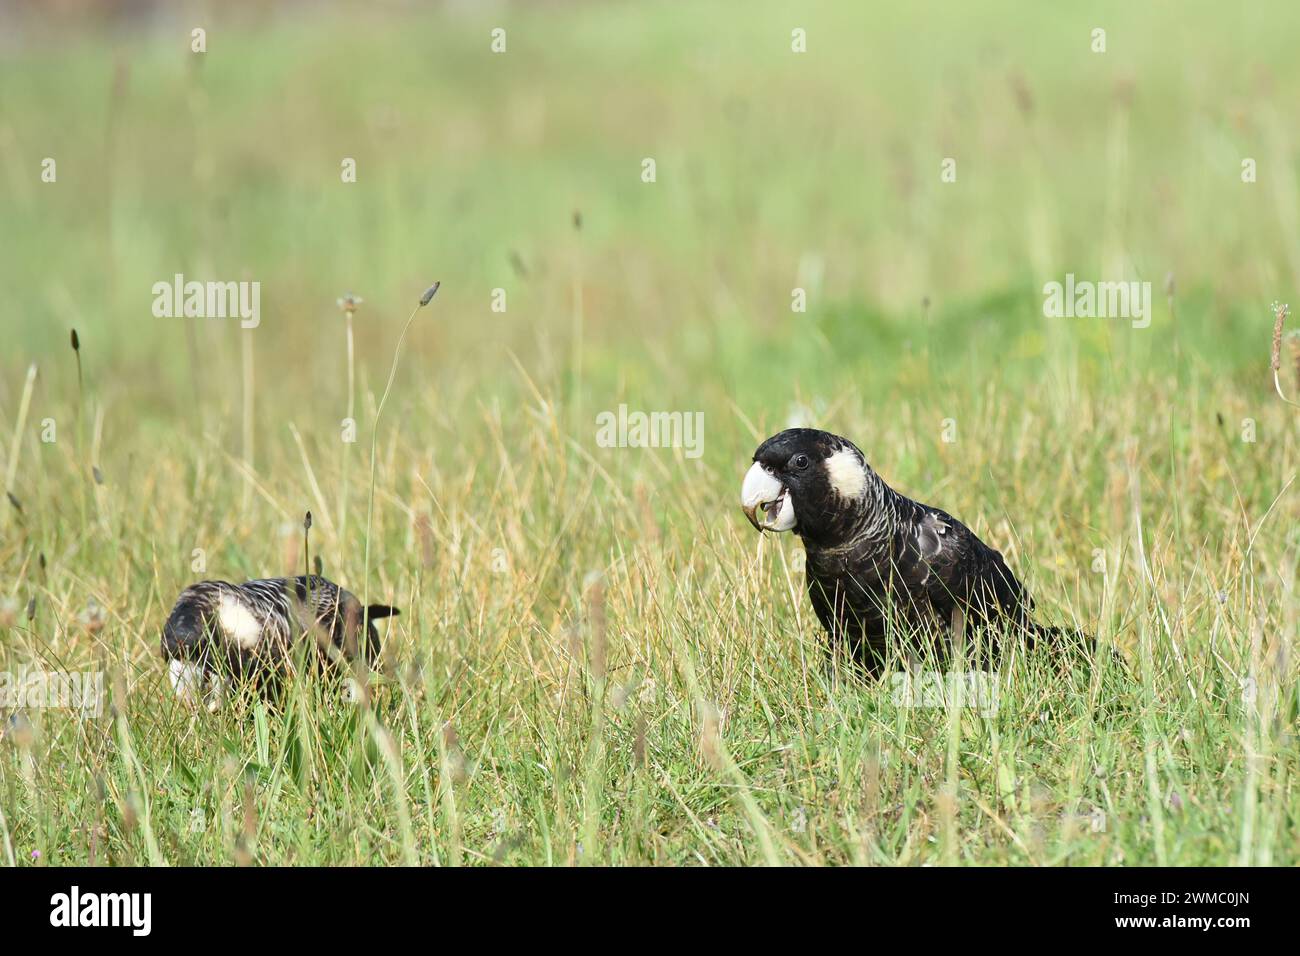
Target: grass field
[(598, 660)]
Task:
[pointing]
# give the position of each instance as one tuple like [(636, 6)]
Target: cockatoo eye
[(799, 462)]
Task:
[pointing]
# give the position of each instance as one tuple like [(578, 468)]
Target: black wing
[(955, 569)]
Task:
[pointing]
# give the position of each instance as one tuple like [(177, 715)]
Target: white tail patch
[(847, 474), (238, 623)]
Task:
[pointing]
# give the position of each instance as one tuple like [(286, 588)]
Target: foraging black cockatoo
[(876, 557), (218, 629)]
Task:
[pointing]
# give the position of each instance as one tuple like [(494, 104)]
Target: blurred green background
[(774, 170)]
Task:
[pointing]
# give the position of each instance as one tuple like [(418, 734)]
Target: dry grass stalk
[(1280, 312)]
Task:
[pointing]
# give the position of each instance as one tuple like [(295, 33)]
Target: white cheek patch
[(238, 623), (847, 475)]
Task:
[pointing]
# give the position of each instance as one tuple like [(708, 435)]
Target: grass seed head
[(1280, 310)]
